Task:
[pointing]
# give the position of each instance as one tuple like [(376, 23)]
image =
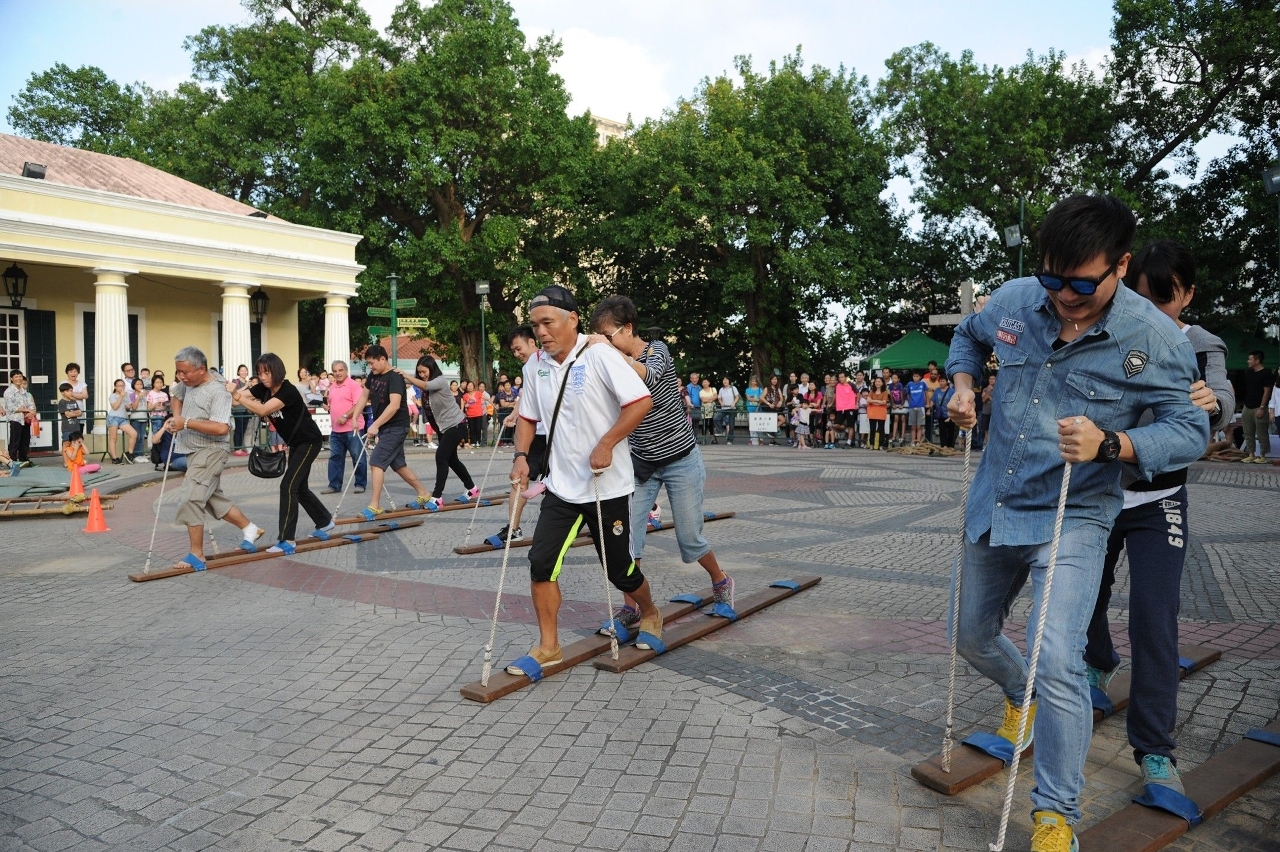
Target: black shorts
[(560, 522), (537, 454)]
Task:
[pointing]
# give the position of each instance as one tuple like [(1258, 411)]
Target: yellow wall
[(173, 313)]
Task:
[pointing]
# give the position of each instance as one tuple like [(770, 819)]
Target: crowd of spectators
[(859, 410)]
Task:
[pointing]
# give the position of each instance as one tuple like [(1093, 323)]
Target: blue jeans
[(340, 445), (684, 479), (992, 579)]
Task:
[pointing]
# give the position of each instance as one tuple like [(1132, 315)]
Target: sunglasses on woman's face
[(1083, 286)]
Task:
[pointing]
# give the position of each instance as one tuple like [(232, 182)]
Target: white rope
[(608, 587), (1035, 656), (497, 601), (163, 482), (957, 574), (484, 480)]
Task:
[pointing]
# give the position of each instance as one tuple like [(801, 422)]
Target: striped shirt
[(665, 433), (208, 401)]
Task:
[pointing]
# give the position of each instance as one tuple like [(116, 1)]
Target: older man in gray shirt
[(201, 424)]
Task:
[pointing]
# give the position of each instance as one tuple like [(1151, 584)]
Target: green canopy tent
[(1240, 345), (914, 350)]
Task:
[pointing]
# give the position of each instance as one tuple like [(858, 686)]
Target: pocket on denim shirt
[(1012, 365), (1093, 397)]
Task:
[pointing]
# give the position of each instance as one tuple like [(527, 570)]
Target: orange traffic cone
[(76, 491), (97, 523)]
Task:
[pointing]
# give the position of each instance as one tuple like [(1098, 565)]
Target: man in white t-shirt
[(728, 409), (590, 401)]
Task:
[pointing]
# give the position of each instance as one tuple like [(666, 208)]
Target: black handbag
[(265, 464)]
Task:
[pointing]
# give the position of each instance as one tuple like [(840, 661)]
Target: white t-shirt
[(600, 385)]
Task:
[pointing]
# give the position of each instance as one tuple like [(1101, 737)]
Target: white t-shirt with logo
[(600, 384)]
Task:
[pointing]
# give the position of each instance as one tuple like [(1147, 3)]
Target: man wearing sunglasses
[(1081, 358)]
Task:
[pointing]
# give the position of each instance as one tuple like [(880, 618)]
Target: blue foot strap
[(496, 542), (655, 525), (689, 598), (246, 546), (390, 525), (708, 516), (785, 584), (998, 747), (320, 534), (356, 537), (1263, 736), (653, 643), (286, 548), (1187, 665), (369, 514), (1101, 701), (723, 610), (484, 502), (1169, 799), (619, 629), (527, 666), (194, 561)]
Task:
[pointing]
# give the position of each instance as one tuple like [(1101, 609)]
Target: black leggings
[(19, 441), (475, 426), (447, 457), (295, 490)]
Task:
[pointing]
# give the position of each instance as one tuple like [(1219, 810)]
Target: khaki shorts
[(202, 493)]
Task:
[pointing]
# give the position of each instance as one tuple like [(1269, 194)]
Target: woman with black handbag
[(278, 399)]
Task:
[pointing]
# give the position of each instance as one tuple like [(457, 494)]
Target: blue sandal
[(194, 561)]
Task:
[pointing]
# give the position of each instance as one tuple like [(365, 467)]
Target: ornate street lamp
[(258, 306), (15, 284)]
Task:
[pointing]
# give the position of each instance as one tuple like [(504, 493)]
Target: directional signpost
[(393, 330)]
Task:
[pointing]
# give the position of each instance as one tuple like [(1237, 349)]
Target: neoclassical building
[(107, 260)]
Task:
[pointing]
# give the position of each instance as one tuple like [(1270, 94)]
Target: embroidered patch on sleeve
[(1134, 362), (1007, 337)]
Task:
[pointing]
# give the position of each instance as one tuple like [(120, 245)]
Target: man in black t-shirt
[(385, 389), (1253, 418)]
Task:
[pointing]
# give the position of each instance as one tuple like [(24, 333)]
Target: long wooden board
[(391, 515), (501, 683), (1213, 785), (22, 502), (970, 766), (305, 545), (583, 540), (682, 634), (54, 508)]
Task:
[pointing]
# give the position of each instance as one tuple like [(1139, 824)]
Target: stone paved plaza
[(312, 702)]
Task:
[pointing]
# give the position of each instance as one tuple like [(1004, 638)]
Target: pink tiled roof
[(409, 348), (88, 170)]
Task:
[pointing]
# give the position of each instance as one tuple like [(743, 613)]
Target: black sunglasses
[(1083, 286)]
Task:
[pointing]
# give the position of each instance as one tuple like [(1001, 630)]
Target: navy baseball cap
[(555, 296)]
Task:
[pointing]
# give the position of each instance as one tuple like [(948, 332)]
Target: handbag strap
[(555, 414), (267, 417)]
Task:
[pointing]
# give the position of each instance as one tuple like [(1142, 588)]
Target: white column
[(110, 335), (236, 346), (337, 331)]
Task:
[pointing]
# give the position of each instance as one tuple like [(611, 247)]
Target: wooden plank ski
[(49, 507), (582, 540), (1213, 786), (391, 515), (682, 634), (24, 502), (970, 766), (306, 545), (501, 683)]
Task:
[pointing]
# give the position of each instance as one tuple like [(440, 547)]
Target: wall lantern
[(258, 305), (15, 284)]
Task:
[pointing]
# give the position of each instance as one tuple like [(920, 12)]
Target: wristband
[(519, 454)]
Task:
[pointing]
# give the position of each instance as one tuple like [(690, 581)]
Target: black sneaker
[(518, 535)]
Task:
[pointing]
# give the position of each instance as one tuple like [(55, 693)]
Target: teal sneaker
[(1100, 678), (1158, 769)]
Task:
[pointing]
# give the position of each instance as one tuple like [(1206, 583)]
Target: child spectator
[(161, 440), (864, 422), (70, 412), (917, 403), (897, 411), (800, 419), (73, 455), (878, 413)]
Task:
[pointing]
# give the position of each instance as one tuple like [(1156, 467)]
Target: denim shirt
[(1133, 359)]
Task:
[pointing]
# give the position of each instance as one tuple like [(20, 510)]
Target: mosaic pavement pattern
[(312, 703)]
